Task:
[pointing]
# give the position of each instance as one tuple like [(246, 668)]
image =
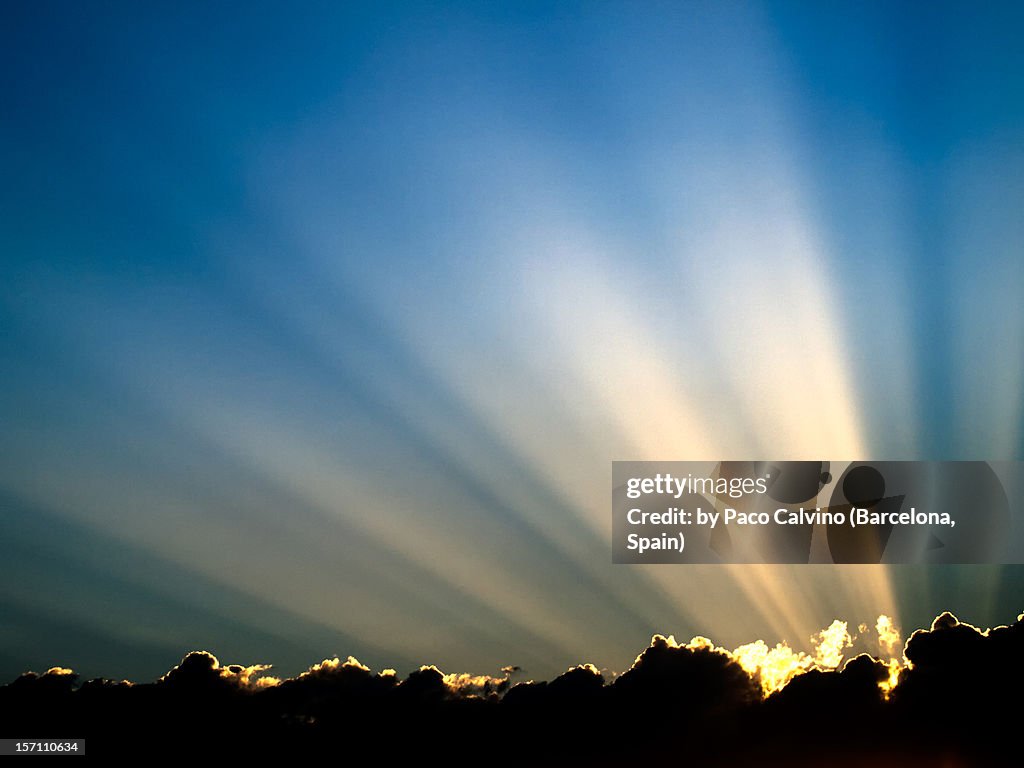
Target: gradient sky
[(320, 325)]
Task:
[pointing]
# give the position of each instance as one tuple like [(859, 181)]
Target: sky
[(321, 324)]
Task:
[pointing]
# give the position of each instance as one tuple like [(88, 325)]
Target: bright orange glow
[(888, 635), (893, 679), (774, 667)]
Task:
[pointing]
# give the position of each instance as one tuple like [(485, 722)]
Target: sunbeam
[(327, 323)]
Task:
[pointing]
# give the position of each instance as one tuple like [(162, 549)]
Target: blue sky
[(322, 324)]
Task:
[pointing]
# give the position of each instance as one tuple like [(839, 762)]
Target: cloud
[(484, 686), (696, 701), (667, 675), (201, 670), (53, 681), (774, 667), (888, 635)]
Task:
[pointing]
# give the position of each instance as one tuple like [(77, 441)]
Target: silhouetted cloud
[(691, 701)]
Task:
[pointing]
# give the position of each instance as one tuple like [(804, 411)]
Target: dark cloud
[(698, 679), (198, 671), (694, 702)]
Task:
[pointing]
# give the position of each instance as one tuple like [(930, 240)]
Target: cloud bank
[(947, 698)]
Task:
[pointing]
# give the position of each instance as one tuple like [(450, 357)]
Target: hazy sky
[(320, 324)]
